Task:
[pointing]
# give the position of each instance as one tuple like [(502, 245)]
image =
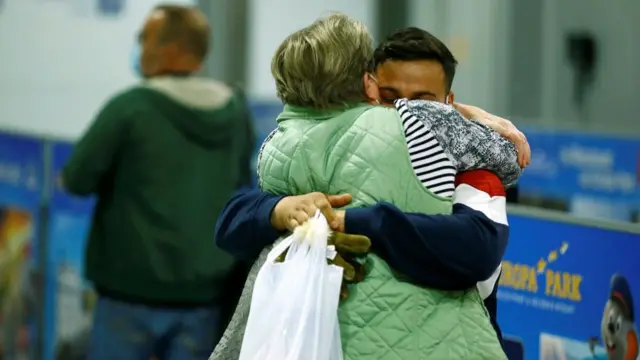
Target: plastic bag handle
[(283, 245), (279, 248)]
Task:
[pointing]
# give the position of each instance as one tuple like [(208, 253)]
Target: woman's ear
[(371, 88)]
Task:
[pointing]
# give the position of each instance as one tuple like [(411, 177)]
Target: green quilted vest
[(361, 150)]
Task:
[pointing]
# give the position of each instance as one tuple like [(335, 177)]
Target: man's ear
[(451, 98), (371, 88)]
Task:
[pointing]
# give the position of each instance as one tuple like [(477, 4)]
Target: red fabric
[(482, 180)]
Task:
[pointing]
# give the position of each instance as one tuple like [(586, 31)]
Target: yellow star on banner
[(564, 248), (553, 256), (541, 265)]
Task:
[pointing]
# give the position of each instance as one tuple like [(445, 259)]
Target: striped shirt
[(431, 165)]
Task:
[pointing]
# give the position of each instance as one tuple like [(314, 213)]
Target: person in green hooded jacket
[(162, 158)]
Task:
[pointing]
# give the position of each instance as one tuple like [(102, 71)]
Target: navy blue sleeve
[(447, 252), (244, 226)]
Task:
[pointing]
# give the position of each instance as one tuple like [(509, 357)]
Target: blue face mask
[(136, 57)]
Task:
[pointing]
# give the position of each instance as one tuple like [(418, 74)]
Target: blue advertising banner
[(21, 179), (596, 176), (570, 292), (69, 300)]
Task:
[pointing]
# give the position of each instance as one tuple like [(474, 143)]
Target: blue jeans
[(125, 331)]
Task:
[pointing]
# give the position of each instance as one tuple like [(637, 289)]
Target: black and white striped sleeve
[(430, 163)]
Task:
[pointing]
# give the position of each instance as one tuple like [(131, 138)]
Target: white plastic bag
[(294, 305)]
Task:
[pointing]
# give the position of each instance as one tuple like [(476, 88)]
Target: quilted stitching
[(385, 317), (363, 152)]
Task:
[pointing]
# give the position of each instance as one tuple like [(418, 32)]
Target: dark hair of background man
[(185, 26), (412, 43)]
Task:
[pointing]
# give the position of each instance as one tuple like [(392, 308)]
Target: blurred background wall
[(62, 59), (515, 58), (268, 28), (565, 71), (610, 104), (514, 55)]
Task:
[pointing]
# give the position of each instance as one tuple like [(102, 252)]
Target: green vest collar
[(299, 112)]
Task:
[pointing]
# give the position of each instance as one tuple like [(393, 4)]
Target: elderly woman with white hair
[(331, 139)]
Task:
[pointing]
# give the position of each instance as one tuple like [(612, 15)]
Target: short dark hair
[(186, 26), (413, 43)]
